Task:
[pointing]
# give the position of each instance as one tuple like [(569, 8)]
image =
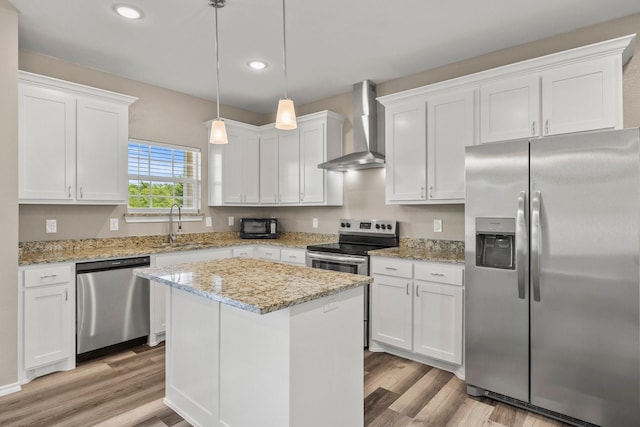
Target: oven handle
[(351, 260)]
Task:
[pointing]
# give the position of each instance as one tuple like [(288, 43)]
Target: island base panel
[(297, 366)]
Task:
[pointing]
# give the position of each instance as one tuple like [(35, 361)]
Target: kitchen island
[(253, 343)]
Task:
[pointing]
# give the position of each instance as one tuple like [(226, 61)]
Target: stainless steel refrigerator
[(552, 264)]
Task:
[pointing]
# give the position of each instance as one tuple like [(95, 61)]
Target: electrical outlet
[(207, 221), (114, 225), (52, 226), (315, 222), (437, 226), (231, 221)]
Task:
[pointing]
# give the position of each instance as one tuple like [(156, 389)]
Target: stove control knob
[(384, 226), (348, 225), (342, 224), (378, 226)]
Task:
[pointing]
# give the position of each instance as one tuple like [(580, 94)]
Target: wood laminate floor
[(126, 390)]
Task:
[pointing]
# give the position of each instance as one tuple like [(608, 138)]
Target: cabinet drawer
[(47, 276), (449, 274), (245, 252), (293, 256), (392, 267), (270, 253)]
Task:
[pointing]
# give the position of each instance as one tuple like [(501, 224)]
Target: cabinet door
[(268, 252), (406, 150), (510, 109), (48, 324), (241, 160), (251, 168), (437, 327), (391, 320), (289, 167), (47, 139), (269, 167), (579, 97), (450, 128), (158, 291), (313, 148), (101, 151)]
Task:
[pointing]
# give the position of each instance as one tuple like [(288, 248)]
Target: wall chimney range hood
[(366, 153)]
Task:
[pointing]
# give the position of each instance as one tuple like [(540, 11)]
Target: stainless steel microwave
[(259, 228)]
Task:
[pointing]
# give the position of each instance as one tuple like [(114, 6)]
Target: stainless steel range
[(350, 254)]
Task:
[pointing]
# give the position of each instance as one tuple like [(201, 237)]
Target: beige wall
[(9, 194), (168, 116)]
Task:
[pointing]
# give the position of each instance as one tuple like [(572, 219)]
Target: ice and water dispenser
[(496, 243)]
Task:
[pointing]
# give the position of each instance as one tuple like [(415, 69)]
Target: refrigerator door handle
[(521, 243), (536, 231)]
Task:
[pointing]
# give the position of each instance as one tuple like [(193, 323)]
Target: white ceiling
[(331, 44)]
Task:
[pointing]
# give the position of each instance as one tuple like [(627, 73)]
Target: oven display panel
[(365, 226)]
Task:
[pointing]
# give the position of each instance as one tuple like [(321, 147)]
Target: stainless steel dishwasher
[(112, 307)]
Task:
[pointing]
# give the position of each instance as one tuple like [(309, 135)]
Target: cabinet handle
[(69, 191), (390, 268), (422, 192), (268, 253), (48, 276), (417, 290), (431, 192), (437, 274), (292, 256), (407, 289), (66, 295), (546, 127), (533, 128), (81, 193), (275, 197), (301, 196)]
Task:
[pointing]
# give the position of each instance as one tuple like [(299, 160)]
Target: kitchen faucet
[(172, 234)]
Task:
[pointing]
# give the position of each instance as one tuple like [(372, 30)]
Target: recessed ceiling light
[(128, 12), (257, 65)]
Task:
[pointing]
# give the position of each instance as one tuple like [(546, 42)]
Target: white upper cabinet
[(425, 140), (428, 128), (281, 166), (320, 140), (450, 128), (406, 151), (289, 167), (234, 167), (269, 167), (510, 109), (72, 142), (581, 97)]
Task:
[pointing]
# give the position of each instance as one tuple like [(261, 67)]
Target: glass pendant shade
[(218, 132), (286, 116)]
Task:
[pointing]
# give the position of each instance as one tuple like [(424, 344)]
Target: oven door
[(354, 264)]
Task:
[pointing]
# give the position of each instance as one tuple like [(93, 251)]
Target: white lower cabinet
[(417, 308), (293, 256), (47, 321), (157, 291)]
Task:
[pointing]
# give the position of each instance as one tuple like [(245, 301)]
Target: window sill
[(160, 217)]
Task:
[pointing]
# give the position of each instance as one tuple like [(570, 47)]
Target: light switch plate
[(52, 226), (231, 221), (437, 226), (114, 225), (315, 223), (207, 221)]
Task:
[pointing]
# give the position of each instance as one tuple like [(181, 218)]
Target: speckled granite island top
[(253, 285)]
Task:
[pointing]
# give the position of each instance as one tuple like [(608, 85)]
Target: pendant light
[(218, 129), (286, 116)]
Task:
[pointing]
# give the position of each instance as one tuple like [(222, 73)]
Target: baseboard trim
[(9, 388)]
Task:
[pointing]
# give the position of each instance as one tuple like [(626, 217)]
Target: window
[(161, 175)]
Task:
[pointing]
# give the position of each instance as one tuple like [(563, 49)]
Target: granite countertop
[(92, 249), (445, 251), (257, 286)]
